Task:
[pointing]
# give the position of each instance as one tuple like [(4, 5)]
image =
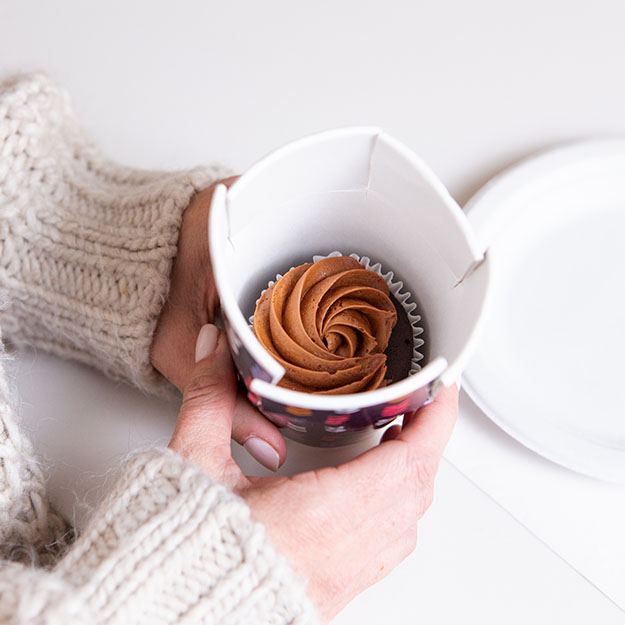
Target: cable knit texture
[(30, 532), (85, 253), (168, 546), (86, 246)]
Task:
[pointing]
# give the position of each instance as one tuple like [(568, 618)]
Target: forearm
[(184, 543), (86, 246), (168, 546)]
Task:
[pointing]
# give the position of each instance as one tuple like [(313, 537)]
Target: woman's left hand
[(342, 528), (192, 302)]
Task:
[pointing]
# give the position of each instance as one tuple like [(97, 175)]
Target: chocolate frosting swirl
[(328, 324)]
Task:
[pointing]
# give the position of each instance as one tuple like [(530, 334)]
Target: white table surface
[(471, 87)]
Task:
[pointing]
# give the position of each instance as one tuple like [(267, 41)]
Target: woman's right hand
[(342, 528)]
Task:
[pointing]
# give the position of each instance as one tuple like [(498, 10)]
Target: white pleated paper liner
[(396, 287)]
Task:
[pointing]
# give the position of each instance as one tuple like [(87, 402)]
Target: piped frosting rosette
[(328, 323)]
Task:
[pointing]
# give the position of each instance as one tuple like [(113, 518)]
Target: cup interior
[(354, 190)]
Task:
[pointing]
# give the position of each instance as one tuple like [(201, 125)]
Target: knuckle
[(409, 529), (425, 501), (201, 386), (401, 549), (411, 542), (422, 468)]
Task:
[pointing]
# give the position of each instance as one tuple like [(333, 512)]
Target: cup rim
[(437, 368), (351, 402)]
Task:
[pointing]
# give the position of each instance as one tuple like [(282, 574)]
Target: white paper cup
[(349, 189)]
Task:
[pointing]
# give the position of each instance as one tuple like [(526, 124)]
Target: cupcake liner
[(396, 287)]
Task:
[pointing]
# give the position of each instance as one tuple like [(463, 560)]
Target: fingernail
[(206, 341), (262, 452)]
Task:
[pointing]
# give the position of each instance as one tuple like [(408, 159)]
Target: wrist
[(192, 298)]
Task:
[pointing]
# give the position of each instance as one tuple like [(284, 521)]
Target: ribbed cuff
[(169, 541), (86, 246)]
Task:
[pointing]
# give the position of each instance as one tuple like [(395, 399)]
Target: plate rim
[(515, 177)]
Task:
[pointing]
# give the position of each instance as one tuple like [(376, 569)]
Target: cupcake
[(336, 328)]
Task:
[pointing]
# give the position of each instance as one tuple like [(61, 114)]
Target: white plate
[(549, 368)]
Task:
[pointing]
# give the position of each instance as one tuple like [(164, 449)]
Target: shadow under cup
[(354, 190)]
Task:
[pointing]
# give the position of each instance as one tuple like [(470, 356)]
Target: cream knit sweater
[(86, 248)]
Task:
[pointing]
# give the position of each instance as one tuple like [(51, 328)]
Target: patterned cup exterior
[(320, 428)]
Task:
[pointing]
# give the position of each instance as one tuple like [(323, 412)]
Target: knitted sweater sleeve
[(169, 546), (86, 246), (85, 253)]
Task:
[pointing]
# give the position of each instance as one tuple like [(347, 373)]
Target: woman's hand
[(192, 302), (343, 528)]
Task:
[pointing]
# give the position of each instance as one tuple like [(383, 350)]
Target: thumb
[(204, 425)]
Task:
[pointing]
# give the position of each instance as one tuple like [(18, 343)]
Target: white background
[(470, 86)]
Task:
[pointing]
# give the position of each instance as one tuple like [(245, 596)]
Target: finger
[(261, 438), (411, 456), (390, 556), (428, 429), (204, 424), (228, 182), (391, 433)]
